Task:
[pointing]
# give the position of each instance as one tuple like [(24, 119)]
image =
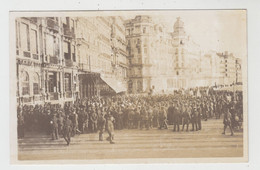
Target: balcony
[(69, 63), (54, 60), (26, 99), (52, 24), (54, 96), (35, 56), (68, 32), (26, 54)]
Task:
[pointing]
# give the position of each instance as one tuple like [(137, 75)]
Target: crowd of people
[(100, 114)]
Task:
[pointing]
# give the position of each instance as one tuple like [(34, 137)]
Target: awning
[(117, 86)]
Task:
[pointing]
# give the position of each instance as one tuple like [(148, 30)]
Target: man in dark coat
[(176, 118), (67, 129), (54, 127), (101, 124)]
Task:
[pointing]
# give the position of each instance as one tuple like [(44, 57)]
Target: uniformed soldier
[(227, 121), (176, 117), (67, 129), (162, 119), (186, 117), (54, 127), (194, 117), (101, 124), (20, 127), (110, 127), (60, 123), (93, 121)]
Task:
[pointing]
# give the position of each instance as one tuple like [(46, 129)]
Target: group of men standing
[(129, 112)]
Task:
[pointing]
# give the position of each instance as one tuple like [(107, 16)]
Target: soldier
[(93, 121), (150, 117), (67, 129), (227, 121), (162, 118), (170, 114), (60, 123), (54, 127), (186, 117), (110, 127), (199, 117), (101, 124), (194, 116), (20, 127), (176, 118), (85, 125)]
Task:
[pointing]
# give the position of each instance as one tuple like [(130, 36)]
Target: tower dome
[(179, 27)]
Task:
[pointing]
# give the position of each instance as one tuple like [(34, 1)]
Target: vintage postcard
[(160, 86)]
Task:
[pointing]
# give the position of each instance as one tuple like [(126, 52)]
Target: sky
[(219, 30)]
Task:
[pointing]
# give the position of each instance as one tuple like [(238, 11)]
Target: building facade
[(62, 59)]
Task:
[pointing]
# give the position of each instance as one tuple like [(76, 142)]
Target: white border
[(253, 65)]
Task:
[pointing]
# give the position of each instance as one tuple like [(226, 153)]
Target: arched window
[(36, 84), (139, 86), (25, 83)]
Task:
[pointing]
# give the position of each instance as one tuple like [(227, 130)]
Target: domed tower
[(179, 34)]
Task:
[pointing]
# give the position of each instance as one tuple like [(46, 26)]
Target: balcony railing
[(35, 56), (26, 54), (54, 96), (38, 98), (68, 32), (54, 60), (26, 99), (54, 25), (68, 63)]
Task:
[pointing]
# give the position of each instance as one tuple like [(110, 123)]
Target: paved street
[(209, 142)]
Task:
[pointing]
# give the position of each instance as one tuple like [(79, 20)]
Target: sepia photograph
[(129, 86)]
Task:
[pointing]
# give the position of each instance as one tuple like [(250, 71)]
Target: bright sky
[(220, 30)]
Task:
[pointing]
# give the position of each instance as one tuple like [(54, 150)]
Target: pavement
[(134, 143)]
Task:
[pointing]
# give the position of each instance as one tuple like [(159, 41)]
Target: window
[(57, 47), (73, 53), (128, 32), (139, 50), (25, 43), (49, 45), (25, 83), (144, 30), (145, 50), (72, 25), (67, 82), (34, 42), (52, 82), (36, 82), (66, 50), (139, 86)]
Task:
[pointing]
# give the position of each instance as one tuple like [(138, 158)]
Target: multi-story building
[(102, 55), (228, 68), (29, 59), (187, 58), (61, 59), (239, 70), (46, 60), (150, 56)]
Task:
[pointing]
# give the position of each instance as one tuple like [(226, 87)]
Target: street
[(153, 143)]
